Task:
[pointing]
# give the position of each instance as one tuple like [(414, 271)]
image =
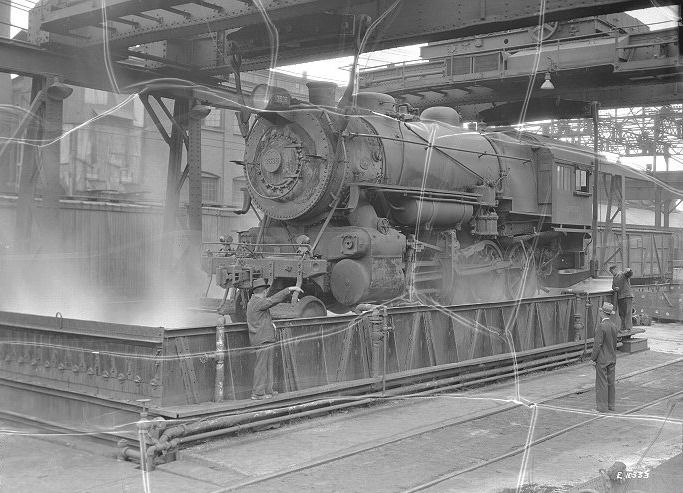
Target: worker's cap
[(608, 308), (260, 283), (612, 267)]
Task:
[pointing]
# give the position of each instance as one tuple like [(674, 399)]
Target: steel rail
[(439, 425), (542, 439)]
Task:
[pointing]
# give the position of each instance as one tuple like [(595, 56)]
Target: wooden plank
[(477, 350), (345, 352), (452, 338), (187, 370), (548, 322), (538, 327), (466, 325), (429, 339), (365, 349), (412, 341), (288, 374), (497, 326)]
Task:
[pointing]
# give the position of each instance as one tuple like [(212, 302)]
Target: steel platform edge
[(96, 377)]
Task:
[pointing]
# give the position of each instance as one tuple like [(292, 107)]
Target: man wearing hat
[(262, 335), (621, 285), (605, 358)]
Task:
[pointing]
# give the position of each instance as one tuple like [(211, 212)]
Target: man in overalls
[(262, 335)]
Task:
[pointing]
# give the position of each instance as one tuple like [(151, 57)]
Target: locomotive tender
[(364, 203)]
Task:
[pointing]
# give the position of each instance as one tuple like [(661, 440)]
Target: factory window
[(582, 182), (564, 178), (213, 119), (209, 188), (95, 96), (486, 63), (459, 65)]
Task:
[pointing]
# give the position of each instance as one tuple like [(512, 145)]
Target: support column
[(194, 176), (29, 171), (658, 207), (667, 212), (596, 174), (50, 156), (175, 156), (612, 192)]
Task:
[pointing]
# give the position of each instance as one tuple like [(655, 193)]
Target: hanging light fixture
[(547, 83), (58, 91)]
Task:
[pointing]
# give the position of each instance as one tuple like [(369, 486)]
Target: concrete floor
[(32, 461)]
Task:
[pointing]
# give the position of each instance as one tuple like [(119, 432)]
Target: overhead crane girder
[(307, 29)]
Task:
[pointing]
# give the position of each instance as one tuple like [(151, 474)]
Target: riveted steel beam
[(411, 22), (84, 70), (25, 59), (79, 14)]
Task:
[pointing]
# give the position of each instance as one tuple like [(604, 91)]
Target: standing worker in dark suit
[(262, 335), (621, 285), (605, 358)]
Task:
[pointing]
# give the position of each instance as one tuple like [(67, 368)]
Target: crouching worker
[(262, 335)]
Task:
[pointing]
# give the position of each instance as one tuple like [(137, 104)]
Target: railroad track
[(369, 447), (357, 393)]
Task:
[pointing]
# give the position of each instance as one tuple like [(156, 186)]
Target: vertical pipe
[(596, 173), (220, 360), (385, 335), (143, 425), (375, 336), (624, 239), (585, 327)]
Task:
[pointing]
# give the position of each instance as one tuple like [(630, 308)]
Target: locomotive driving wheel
[(546, 256), (488, 286), (520, 277)]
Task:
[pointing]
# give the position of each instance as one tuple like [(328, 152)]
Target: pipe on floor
[(201, 432)]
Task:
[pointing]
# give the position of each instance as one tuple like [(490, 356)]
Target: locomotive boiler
[(364, 202)]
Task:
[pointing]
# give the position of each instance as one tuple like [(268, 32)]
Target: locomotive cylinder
[(377, 275)]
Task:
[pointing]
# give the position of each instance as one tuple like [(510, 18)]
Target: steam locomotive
[(365, 202)]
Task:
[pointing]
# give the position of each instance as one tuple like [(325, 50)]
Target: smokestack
[(322, 93)]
